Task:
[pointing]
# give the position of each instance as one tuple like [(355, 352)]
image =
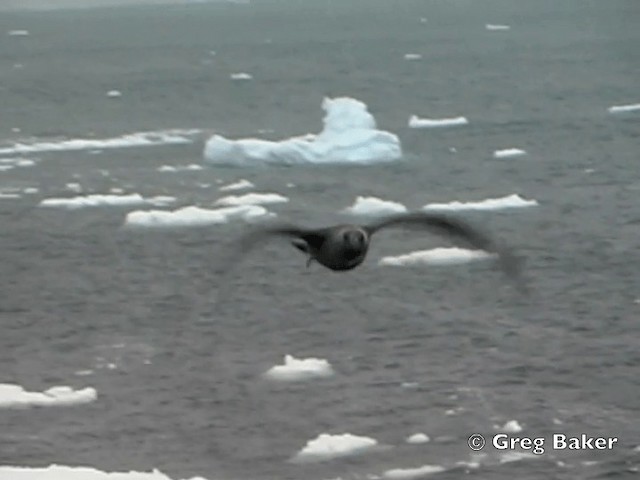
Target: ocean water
[(447, 350)]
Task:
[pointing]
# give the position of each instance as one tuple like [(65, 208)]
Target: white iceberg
[(624, 108), (328, 446), (241, 184), (374, 206), (412, 56), (60, 472), (15, 396), (251, 199), (417, 122), (105, 201), (295, 369), (509, 152), (509, 201), (512, 426), (195, 216), (18, 33), (436, 256), (349, 136), (114, 94)]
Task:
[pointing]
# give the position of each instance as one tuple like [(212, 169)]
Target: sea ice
[(417, 122), (139, 139), (410, 473), (328, 446), (195, 216), (374, 206), (104, 201), (15, 396), (251, 199), (436, 256), (241, 184), (509, 152), (418, 438), (60, 472), (512, 426), (624, 108), (295, 369), (241, 76), (180, 168), (349, 136), (114, 94), (18, 33), (509, 201), (492, 27), (412, 56)]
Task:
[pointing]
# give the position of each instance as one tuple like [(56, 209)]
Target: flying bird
[(344, 247)]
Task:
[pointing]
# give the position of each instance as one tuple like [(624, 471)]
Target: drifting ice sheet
[(180, 168), (328, 446), (510, 201), (195, 216), (349, 136), (374, 206), (624, 108), (508, 152), (418, 438), (241, 184), (241, 76), (295, 369), (15, 396), (18, 33), (436, 256), (417, 122), (59, 472), (251, 199), (412, 56), (410, 473), (104, 201), (141, 139), (489, 26)]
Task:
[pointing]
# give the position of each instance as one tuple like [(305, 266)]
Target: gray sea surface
[(445, 350)]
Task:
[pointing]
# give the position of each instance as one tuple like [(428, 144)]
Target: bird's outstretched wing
[(459, 231)]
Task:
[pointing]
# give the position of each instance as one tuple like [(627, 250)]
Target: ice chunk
[(436, 256), (328, 446), (251, 199), (374, 206), (241, 184), (349, 136), (295, 369), (195, 216), (15, 396), (417, 122), (509, 201), (508, 152)]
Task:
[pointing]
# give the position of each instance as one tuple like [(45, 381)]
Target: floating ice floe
[(180, 168), (5, 195), (417, 438), (105, 201), (508, 152), (436, 256), (114, 94), (251, 199), (60, 472), (417, 122), (31, 190), (624, 108), (195, 216), (140, 139), (493, 27), (349, 136), (6, 168), (410, 473), (295, 369), (374, 206), (18, 33), (412, 56), (16, 162), (328, 446), (241, 76), (512, 426), (15, 396), (241, 184), (509, 201)]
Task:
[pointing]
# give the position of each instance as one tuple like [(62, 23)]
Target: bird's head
[(355, 239)]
